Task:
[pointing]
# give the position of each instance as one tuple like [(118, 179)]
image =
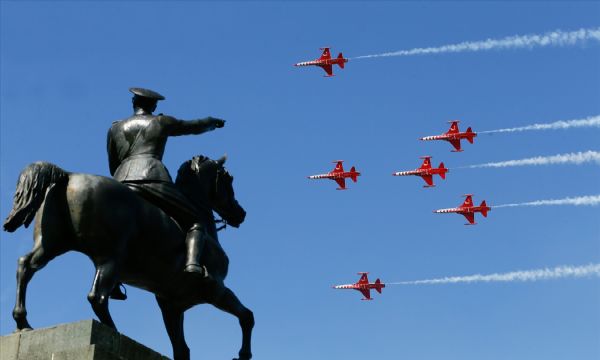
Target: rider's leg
[(170, 199), (195, 241)]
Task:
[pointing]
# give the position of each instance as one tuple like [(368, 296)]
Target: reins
[(221, 221)]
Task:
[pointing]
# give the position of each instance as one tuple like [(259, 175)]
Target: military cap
[(147, 93)]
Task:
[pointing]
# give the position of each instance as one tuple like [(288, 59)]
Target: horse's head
[(207, 183)]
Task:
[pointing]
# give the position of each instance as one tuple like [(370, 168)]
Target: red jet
[(425, 171), (364, 286), (339, 175), (453, 136), (468, 210), (325, 62)]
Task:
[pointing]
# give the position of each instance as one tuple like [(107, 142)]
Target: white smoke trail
[(528, 275), (592, 121), (571, 158), (554, 38), (590, 200)]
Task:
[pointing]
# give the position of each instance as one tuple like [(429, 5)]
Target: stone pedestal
[(84, 340)]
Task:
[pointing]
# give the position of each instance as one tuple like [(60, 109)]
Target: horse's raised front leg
[(228, 302), (104, 281), (27, 266), (173, 318)]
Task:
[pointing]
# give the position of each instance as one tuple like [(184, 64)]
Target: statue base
[(83, 340)]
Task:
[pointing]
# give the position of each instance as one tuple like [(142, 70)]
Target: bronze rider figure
[(135, 150)]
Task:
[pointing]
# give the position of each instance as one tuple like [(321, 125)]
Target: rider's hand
[(217, 123)]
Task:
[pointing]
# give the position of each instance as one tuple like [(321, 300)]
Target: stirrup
[(117, 294)]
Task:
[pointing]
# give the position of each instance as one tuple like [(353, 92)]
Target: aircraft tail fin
[(353, 174), (443, 173), (484, 209), (470, 135), (453, 127), (379, 285), (326, 54), (341, 63)]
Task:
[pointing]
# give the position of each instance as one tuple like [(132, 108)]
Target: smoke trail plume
[(571, 158), (554, 38), (592, 121), (515, 276), (590, 200)]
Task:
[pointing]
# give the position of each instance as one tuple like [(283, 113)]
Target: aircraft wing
[(341, 183), (366, 293), (470, 216), (328, 69), (428, 179), (456, 144)]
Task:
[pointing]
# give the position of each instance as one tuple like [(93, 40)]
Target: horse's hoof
[(243, 358), (17, 330)]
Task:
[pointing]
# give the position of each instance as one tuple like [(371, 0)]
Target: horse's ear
[(222, 160), (194, 164)]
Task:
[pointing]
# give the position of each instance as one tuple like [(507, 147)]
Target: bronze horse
[(130, 241)]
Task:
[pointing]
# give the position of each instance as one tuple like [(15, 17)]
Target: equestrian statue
[(139, 228)]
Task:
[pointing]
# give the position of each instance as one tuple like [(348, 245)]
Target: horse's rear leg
[(26, 268), (228, 302), (104, 281)]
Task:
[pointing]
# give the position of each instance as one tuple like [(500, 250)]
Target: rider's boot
[(194, 241), (117, 294)]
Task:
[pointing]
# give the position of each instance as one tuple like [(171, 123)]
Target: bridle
[(220, 171), (196, 166), (222, 227)]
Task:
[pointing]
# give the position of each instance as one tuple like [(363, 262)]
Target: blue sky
[(65, 70)]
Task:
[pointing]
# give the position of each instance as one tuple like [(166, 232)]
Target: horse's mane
[(188, 172), (190, 168)]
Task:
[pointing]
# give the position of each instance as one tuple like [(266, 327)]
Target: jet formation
[(453, 136), (425, 171), (364, 286), (339, 175), (326, 62), (467, 209)]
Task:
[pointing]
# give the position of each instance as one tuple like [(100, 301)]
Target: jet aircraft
[(338, 174), (467, 209), (363, 286), (426, 171), (326, 62), (453, 136)]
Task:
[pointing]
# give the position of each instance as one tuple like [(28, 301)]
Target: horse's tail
[(33, 183)]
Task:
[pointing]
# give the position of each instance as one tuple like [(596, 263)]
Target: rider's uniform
[(135, 150)]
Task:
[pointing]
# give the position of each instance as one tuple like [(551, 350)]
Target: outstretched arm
[(177, 127)]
